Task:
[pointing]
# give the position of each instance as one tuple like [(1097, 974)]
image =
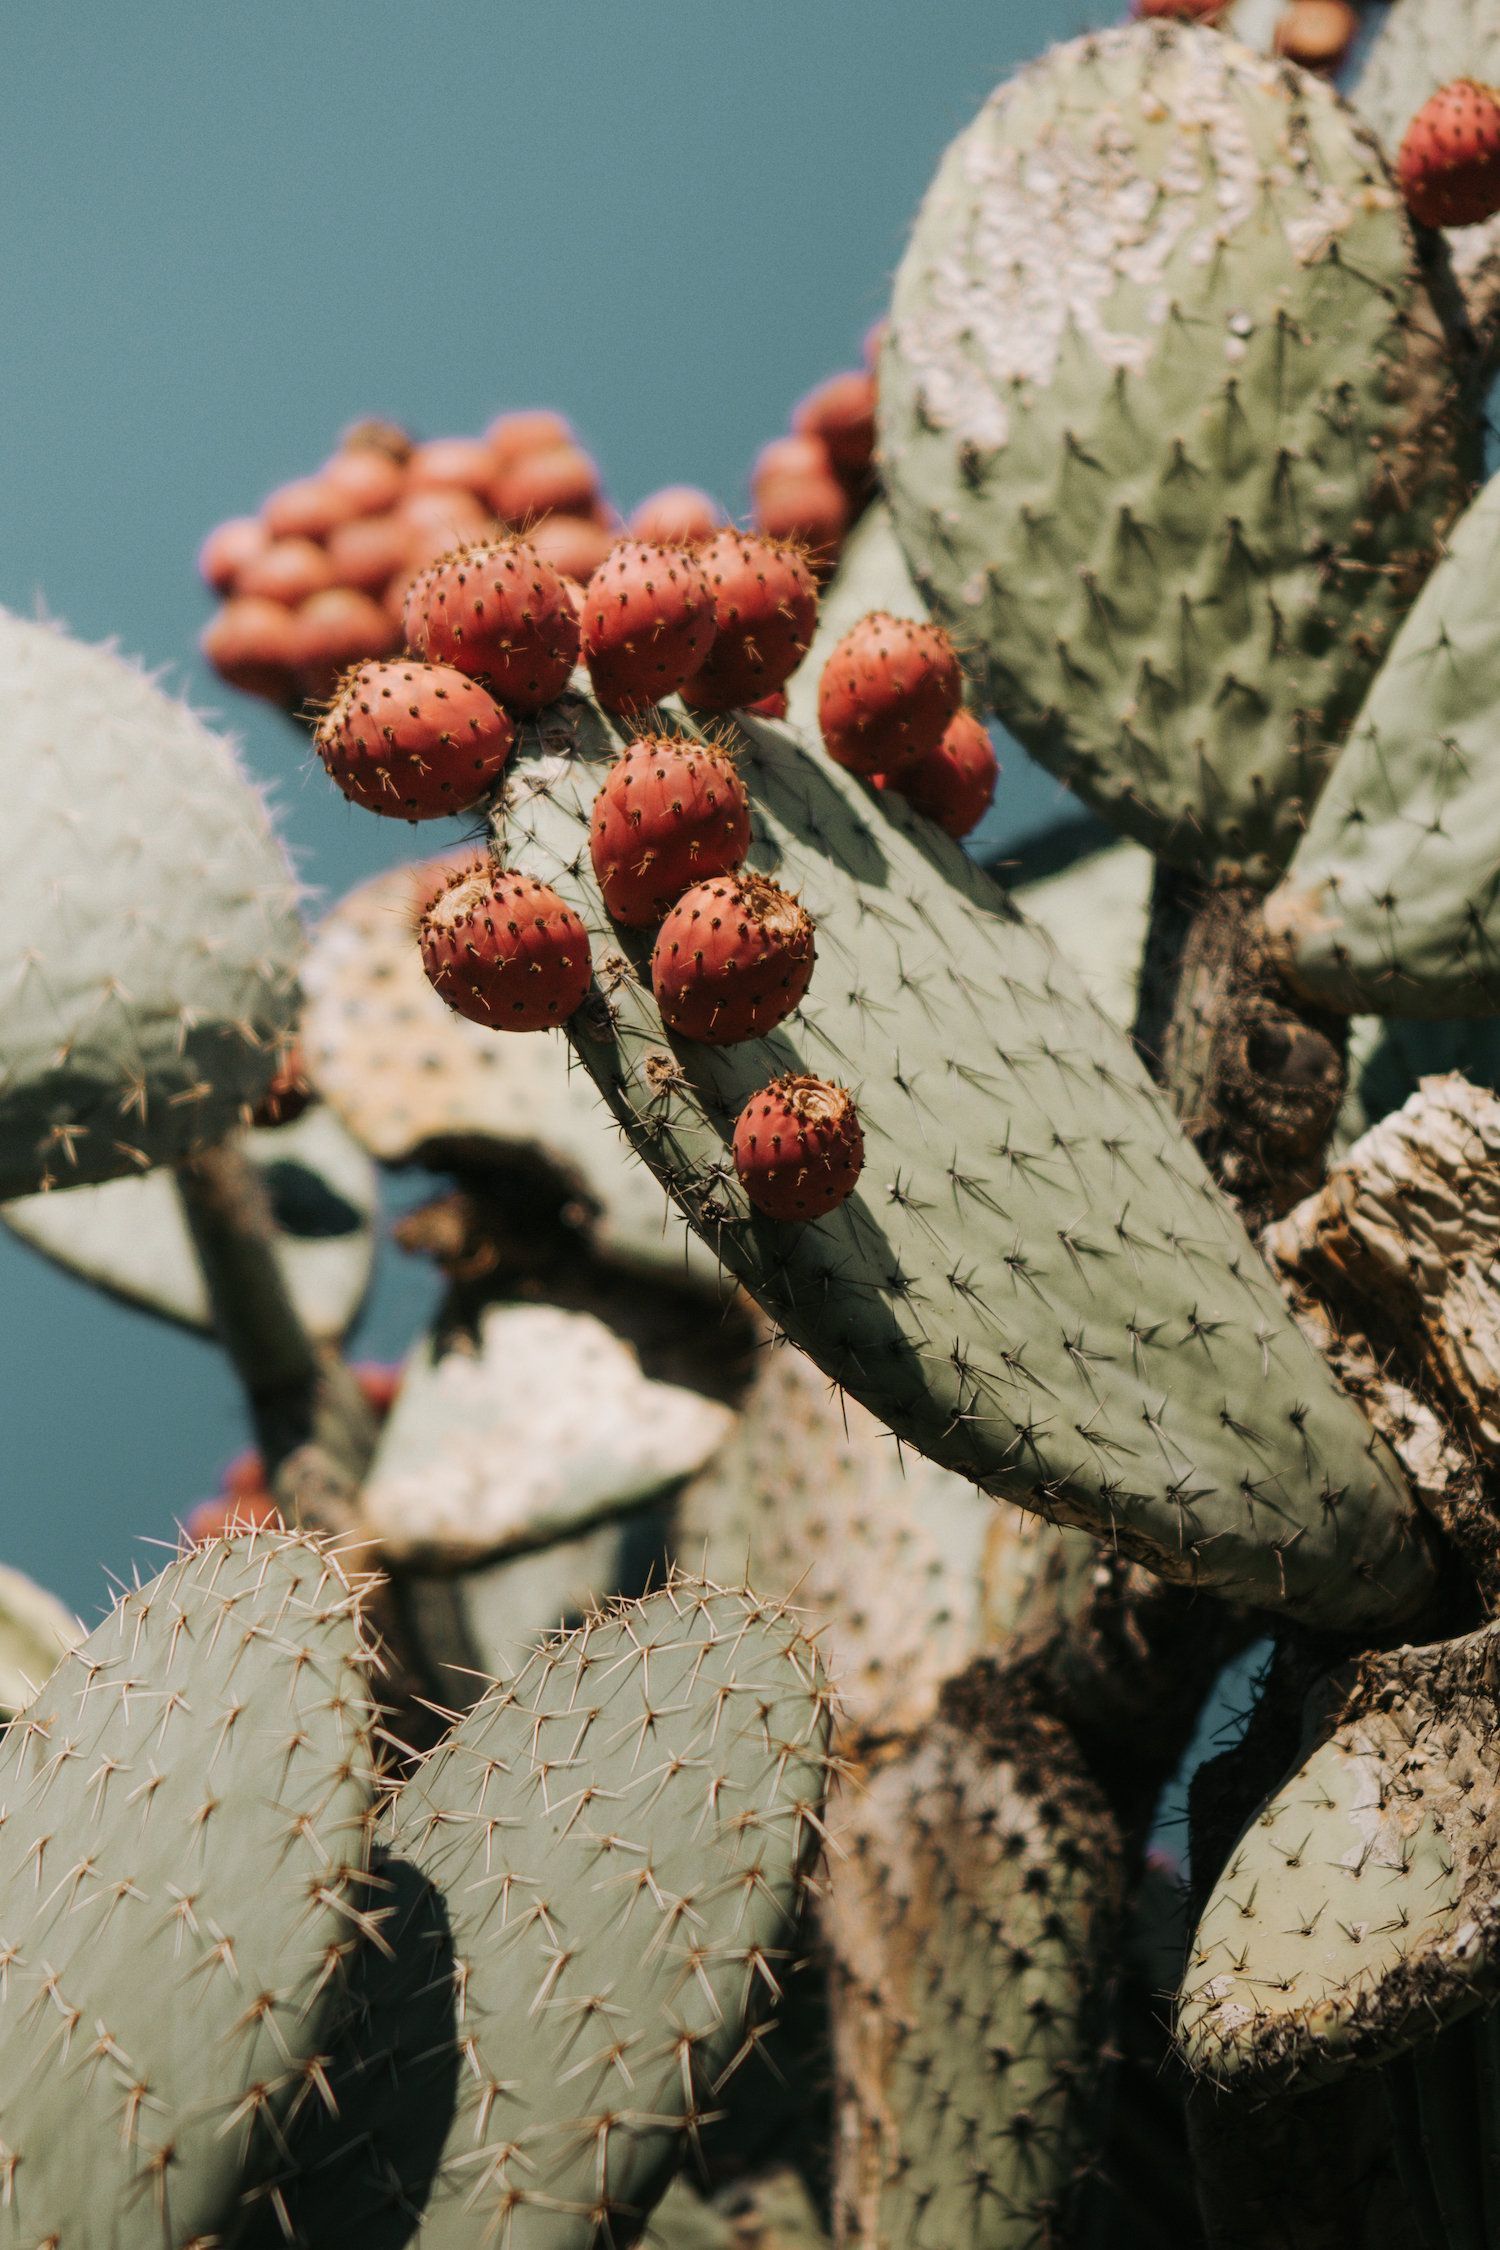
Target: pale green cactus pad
[(507, 1607), (1169, 425), (772, 2211), (1096, 913), (973, 1896), (36, 1632), (148, 925), (407, 1075), (1392, 900), (603, 1866), (1036, 1283), (186, 1814), (1360, 1910), (544, 1425), (130, 1239)]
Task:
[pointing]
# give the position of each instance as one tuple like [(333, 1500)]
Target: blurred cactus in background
[(678, 1762)]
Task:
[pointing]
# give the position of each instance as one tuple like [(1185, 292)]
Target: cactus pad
[(36, 1632), (186, 1808), (147, 922), (1169, 427), (1392, 902), (1036, 1283), (1359, 1911)]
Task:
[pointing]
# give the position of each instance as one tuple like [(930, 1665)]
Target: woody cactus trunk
[(899, 1545)]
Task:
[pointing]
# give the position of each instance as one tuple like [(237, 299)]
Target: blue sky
[(225, 232)]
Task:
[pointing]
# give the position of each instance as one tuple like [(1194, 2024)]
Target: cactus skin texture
[(1170, 428), (181, 1863), (602, 1869), (1358, 1912), (147, 922), (1390, 903), (1035, 1283)]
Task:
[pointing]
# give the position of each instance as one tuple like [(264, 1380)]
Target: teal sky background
[(226, 232)]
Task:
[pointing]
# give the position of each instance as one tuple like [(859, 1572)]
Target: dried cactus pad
[(129, 1237), (1035, 1283), (1392, 900), (1169, 428), (617, 1843), (185, 1828), (547, 1426), (1360, 1910), (404, 1072), (148, 932)]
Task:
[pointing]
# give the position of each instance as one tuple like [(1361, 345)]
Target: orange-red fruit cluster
[(887, 693), (671, 813), (765, 608), (244, 1501), (504, 950), (732, 960), (499, 612), (413, 741), (798, 1148), (1449, 165), (953, 783), (648, 623), (810, 486), (1185, 11), (1316, 33)]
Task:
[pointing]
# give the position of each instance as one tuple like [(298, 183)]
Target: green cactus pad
[(1360, 1910), (1096, 913), (36, 1632), (1169, 426), (508, 1606), (772, 2211), (147, 922), (1392, 901), (1420, 46), (186, 1814), (541, 1426), (971, 1912), (611, 1853), (1036, 1283), (130, 1239)]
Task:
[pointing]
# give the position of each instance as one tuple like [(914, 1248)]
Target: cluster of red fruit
[(244, 1500), (1315, 33), (889, 708)]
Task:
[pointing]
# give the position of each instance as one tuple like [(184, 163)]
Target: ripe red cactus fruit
[(446, 510), (379, 1381), (288, 570), (841, 412), (811, 511), (227, 549), (563, 480), (805, 455), (1316, 33), (887, 693), (672, 812), (574, 545), (676, 516), (452, 464), (1449, 166), (1186, 11), (370, 480), (374, 435), (765, 612), (953, 784), (798, 1148), (648, 623), (252, 644), (308, 508), (732, 959), (414, 741), (499, 612), (369, 552), (528, 430), (768, 706), (504, 950), (337, 628)]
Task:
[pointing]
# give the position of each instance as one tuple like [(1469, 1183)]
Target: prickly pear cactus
[(1419, 46), (1170, 427), (36, 1632), (594, 1881), (1036, 1283), (181, 1861), (872, 574), (148, 922), (1359, 1911)]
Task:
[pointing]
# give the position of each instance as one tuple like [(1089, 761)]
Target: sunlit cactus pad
[(1035, 1282), (181, 1868), (1169, 427), (148, 933)]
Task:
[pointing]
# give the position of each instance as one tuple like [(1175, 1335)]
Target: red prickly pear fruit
[(308, 508), (795, 457), (1186, 11), (289, 1095), (367, 553), (370, 481), (648, 623), (379, 1382), (376, 436), (288, 570), (732, 960), (1449, 166), (765, 612), (1316, 33), (842, 413), (504, 950), (887, 693), (252, 645), (451, 463), (671, 813), (676, 516), (953, 784), (809, 511), (531, 430), (447, 510), (497, 611), (227, 549), (768, 706), (574, 545), (563, 481), (244, 1478), (335, 629), (414, 741), (231, 1518), (798, 1148)]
